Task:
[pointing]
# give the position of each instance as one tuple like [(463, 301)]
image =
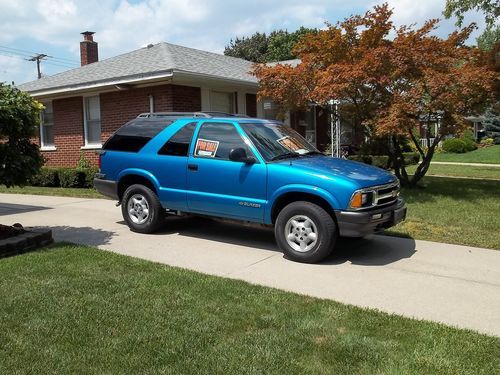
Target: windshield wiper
[(285, 155)]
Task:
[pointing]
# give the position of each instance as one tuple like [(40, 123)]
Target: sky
[(53, 27)]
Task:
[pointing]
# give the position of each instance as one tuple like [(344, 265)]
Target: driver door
[(221, 187)]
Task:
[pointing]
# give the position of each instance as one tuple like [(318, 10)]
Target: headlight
[(361, 199)]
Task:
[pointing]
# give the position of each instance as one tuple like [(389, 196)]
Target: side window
[(216, 140), (135, 134), (178, 144)]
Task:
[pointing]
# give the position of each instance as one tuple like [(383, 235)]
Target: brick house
[(84, 106)]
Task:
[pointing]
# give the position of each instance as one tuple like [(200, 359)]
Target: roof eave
[(99, 84), (241, 82), (137, 80)]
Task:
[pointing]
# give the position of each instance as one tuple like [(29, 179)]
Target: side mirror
[(239, 154)]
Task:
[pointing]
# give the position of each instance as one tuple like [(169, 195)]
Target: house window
[(92, 112), (47, 127), (222, 101)]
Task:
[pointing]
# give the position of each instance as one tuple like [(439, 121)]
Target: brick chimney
[(88, 49)]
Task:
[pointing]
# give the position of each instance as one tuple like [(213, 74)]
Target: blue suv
[(246, 169)]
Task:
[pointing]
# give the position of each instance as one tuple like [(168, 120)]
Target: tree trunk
[(423, 167), (398, 163)]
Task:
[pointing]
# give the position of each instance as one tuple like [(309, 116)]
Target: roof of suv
[(213, 115)]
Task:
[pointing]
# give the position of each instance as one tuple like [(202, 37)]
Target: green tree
[(260, 47), (281, 44), (458, 8), (252, 48), (489, 38), (19, 118), (491, 10)]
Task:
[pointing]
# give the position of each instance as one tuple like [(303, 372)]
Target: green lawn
[(64, 192), (460, 171), (71, 309), (488, 155), (460, 211)]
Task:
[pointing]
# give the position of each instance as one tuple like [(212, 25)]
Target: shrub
[(485, 142), (411, 158), (83, 162), (367, 159), (71, 178), (455, 145), (89, 176), (65, 177), (470, 142), (496, 140), (381, 161), (46, 177)]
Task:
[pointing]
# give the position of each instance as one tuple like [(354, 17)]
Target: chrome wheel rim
[(138, 209), (301, 233)]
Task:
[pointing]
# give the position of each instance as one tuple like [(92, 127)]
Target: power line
[(55, 63), (30, 53)]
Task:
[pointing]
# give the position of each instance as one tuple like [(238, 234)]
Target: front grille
[(385, 194)]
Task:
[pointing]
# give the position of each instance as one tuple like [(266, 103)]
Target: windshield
[(277, 141)]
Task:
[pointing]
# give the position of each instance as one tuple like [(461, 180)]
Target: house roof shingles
[(147, 62)]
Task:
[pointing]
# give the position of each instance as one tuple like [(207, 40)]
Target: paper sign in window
[(206, 147), (291, 144)]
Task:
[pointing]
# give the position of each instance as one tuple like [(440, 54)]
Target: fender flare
[(139, 172), (300, 188)]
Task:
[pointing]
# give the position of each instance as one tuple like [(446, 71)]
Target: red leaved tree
[(390, 83)]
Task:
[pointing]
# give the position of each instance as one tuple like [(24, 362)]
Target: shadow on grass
[(435, 188), (371, 251), (81, 235)]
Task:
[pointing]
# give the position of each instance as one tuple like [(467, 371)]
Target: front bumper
[(106, 187), (362, 223)]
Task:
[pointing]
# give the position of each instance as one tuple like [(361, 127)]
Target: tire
[(135, 201), (299, 220)]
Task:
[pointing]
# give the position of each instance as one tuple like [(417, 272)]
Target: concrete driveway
[(455, 285)]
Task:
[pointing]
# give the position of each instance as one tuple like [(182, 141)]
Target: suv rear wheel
[(305, 232), (142, 209)]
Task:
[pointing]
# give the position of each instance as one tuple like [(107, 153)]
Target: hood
[(361, 174)]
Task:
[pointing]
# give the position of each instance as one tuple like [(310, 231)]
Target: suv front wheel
[(142, 209), (305, 232)]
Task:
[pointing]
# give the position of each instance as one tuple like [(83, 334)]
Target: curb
[(32, 239)]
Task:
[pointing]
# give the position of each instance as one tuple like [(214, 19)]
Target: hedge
[(46, 177), (383, 161), (65, 177)]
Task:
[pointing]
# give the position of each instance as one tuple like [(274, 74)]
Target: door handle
[(193, 167)]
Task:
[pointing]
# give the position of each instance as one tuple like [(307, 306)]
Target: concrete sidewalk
[(466, 164), (456, 285)]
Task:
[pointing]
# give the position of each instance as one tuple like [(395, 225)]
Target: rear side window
[(178, 144), (134, 135)]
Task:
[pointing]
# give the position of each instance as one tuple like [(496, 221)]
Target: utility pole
[(38, 58)]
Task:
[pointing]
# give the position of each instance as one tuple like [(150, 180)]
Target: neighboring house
[(84, 106)]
